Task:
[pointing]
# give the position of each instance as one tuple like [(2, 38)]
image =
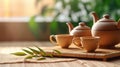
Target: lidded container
[(81, 30), (107, 29)]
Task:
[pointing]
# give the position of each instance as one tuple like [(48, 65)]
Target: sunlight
[(6, 2)]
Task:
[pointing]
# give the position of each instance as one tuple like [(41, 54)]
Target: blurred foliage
[(34, 27), (76, 11), (79, 10), (38, 29)]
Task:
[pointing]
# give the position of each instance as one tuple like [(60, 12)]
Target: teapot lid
[(82, 26), (106, 18), (105, 24)]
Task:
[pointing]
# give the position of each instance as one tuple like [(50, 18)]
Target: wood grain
[(8, 47), (103, 54)]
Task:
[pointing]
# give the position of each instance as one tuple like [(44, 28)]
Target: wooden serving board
[(103, 54)]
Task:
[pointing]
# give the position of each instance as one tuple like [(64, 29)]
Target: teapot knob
[(82, 24), (106, 16)]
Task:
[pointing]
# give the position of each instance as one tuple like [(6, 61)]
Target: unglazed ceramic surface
[(108, 39), (89, 43), (107, 29), (63, 40), (78, 31)]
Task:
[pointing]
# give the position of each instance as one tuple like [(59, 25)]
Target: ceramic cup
[(89, 43), (63, 40)]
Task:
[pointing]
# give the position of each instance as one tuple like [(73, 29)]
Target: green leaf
[(119, 20), (34, 27), (33, 50), (74, 5), (36, 56), (29, 57), (27, 51), (54, 27), (19, 53), (56, 51), (43, 10), (49, 55), (41, 58), (42, 52)]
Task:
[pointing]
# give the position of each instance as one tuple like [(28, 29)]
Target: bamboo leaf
[(39, 54), (27, 51), (29, 57), (56, 51), (39, 49), (43, 53), (36, 56), (34, 51), (49, 55), (19, 53), (41, 58)]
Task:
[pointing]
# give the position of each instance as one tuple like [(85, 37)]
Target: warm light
[(6, 6), (21, 8)]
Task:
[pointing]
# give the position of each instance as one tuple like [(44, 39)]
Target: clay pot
[(78, 31), (107, 29), (108, 39), (81, 30)]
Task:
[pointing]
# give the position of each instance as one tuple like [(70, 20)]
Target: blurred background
[(35, 20)]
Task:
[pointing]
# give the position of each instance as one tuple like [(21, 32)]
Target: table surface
[(7, 47)]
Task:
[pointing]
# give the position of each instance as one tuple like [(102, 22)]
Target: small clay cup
[(63, 40), (89, 43)]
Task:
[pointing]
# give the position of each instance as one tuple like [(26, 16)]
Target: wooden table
[(7, 47)]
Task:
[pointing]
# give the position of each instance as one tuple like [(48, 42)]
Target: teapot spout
[(95, 17), (70, 26)]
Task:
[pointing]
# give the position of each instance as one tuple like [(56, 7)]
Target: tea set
[(105, 33)]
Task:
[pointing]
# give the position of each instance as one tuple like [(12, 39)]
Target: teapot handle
[(76, 41), (53, 39)]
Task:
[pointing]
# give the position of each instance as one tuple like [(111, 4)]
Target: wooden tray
[(103, 54)]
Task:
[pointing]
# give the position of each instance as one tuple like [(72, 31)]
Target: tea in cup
[(63, 40), (89, 43)]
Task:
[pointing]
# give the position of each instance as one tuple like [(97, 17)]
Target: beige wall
[(15, 31), (9, 8)]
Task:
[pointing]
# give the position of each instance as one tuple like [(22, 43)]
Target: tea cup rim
[(89, 37), (62, 35)]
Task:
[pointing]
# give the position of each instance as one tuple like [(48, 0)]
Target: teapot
[(107, 29), (81, 30)]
